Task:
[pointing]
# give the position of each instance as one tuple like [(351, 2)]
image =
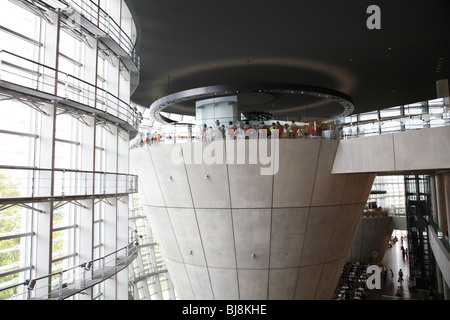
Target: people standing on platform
[(293, 129), (279, 127), (204, 129), (247, 126), (230, 134), (285, 131)]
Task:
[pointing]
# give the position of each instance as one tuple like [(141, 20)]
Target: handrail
[(97, 16), (335, 133), (83, 283), (70, 182), (441, 235), (402, 118), (65, 86)]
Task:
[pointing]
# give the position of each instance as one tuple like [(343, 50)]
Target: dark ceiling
[(185, 44)]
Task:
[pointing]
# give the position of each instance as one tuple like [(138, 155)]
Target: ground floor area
[(391, 287)]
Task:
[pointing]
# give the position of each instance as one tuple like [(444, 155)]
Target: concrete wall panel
[(249, 189), (208, 182), (307, 281), (216, 231), (357, 188), (184, 287), (252, 237), (253, 284), (224, 283), (172, 177), (321, 222), (200, 283), (165, 233), (369, 226), (328, 188), (396, 152), (229, 232), (293, 185), (368, 154), (185, 226), (346, 223), (282, 283), (288, 233), (327, 283), (412, 146), (142, 164), (371, 240)]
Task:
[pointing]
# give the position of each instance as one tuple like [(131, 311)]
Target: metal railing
[(52, 83), (66, 283), (33, 182), (440, 234), (98, 17), (177, 133), (421, 115), (338, 129)]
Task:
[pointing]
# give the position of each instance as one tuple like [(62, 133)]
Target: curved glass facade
[(67, 70)]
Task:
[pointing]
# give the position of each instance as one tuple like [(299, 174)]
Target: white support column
[(110, 245), (447, 198), (441, 202), (111, 214), (45, 153), (42, 243), (90, 68), (442, 88), (51, 52), (111, 157), (434, 210), (122, 241), (43, 225), (86, 243), (123, 152), (113, 85)]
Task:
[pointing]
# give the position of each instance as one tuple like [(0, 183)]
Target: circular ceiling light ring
[(226, 90)]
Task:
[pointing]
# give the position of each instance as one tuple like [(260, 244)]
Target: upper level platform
[(422, 150)]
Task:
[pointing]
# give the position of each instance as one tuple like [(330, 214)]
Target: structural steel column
[(441, 202), (447, 199)]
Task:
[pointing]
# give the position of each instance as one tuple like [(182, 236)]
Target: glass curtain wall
[(389, 194), (64, 179)]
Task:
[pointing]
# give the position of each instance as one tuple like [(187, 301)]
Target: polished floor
[(393, 260)]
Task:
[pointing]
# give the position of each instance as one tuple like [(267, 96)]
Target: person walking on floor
[(400, 276)]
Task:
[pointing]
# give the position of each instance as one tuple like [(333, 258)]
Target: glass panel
[(66, 155), (415, 108), (9, 109), (391, 126), (16, 150), (26, 25), (368, 116), (390, 112), (413, 123), (369, 129)]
